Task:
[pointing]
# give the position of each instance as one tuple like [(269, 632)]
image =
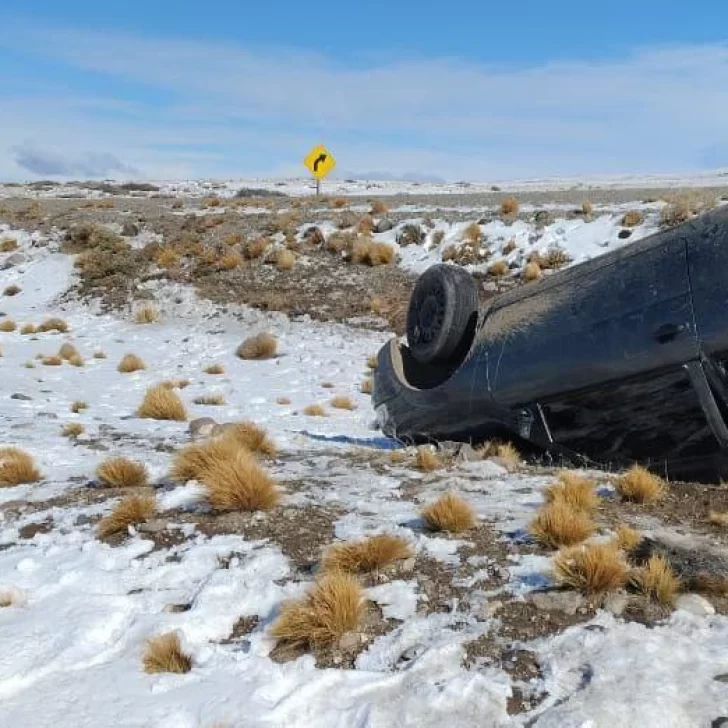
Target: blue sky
[(458, 90)]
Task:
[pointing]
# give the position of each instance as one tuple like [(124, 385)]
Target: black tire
[(441, 308)]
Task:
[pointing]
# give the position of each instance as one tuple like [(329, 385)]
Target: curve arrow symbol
[(319, 160)]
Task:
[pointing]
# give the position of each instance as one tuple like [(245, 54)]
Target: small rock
[(558, 601), (407, 565), (449, 447), (22, 397), (154, 526), (720, 722), (130, 230), (383, 226), (490, 608), (624, 234), (695, 604), (12, 260), (176, 608), (201, 427), (349, 641), (47, 415), (468, 454), (616, 603)]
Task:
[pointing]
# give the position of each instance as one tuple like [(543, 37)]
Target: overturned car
[(621, 359)]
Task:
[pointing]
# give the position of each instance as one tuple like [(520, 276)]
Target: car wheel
[(443, 302)]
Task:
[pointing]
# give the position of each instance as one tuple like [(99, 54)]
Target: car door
[(602, 362)]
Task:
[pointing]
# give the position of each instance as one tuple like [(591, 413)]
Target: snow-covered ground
[(71, 645)]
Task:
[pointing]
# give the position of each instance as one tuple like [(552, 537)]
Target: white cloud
[(227, 110)]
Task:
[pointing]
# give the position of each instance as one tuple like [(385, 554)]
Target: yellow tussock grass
[(67, 351), (366, 386), (130, 363), (342, 402), (314, 410), (626, 538), (575, 491), (283, 400), (657, 581), (194, 460), (532, 271), (78, 406), (332, 607), (51, 361), (239, 484), (378, 208), (11, 290), (230, 261), (560, 524), (591, 569), (260, 346), (427, 459), (498, 269), (211, 400), (718, 519), (252, 437), (215, 369), (146, 314), (640, 485), (164, 654), (129, 512), (72, 430), (369, 554), (99, 355), (587, 208), (76, 361), (28, 329), (120, 472), (473, 233), (632, 218), (372, 362), (285, 260), (53, 324), (510, 206), (161, 403), (7, 326), (449, 513)]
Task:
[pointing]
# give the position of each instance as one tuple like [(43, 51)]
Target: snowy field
[(82, 609)]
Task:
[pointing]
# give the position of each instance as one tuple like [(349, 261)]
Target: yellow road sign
[(320, 161)]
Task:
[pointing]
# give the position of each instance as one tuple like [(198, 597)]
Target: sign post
[(319, 162)]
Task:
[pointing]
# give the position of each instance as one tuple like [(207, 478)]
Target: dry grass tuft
[(121, 472), (367, 252), (314, 410), (238, 483), (365, 224), (626, 538), (230, 261), (575, 491), (8, 245), (718, 519), (53, 324), (193, 461), (509, 206), (640, 485), (252, 437), (370, 554), (146, 314), (591, 569), (587, 208), (532, 271), (28, 329), (211, 400), (372, 363), (367, 386), (175, 383), (378, 208), (505, 452), (17, 467), (632, 218), (285, 259), (12, 290), (342, 402), (51, 361), (76, 361), (657, 581), (130, 363), (332, 607), (255, 248), (283, 400), (215, 369), (260, 346), (67, 351), (78, 406), (167, 258), (7, 325), (72, 430), (473, 233), (99, 355), (427, 460), (449, 513), (164, 654), (11, 597), (338, 203), (498, 269), (559, 524), (161, 403), (129, 512)]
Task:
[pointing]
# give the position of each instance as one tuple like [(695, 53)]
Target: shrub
[(367, 555), (632, 218), (7, 325), (640, 486), (129, 512), (72, 430), (341, 402), (164, 654), (575, 491), (130, 363), (591, 569), (260, 346), (498, 269), (427, 459), (449, 513), (657, 581), (314, 410), (509, 207), (238, 483), (146, 314), (161, 403), (17, 467), (12, 290), (120, 472), (379, 208), (559, 524), (332, 607), (54, 324), (532, 271)]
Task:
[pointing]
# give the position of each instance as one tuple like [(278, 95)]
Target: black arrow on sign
[(320, 160)]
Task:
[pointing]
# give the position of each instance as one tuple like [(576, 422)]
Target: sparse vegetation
[(314, 410), (260, 346), (342, 402), (164, 654), (532, 271), (7, 326), (575, 491), (367, 252), (559, 524), (215, 369), (449, 513), (8, 245), (626, 538), (285, 259), (718, 519), (72, 430), (368, 555), (587, 209), (657, 581), (130, 363), (53, 324), (51, 361), (11, 290), (632, 218), (640, 485), (28, 329), (162, 403), (146, 314), (332, 607), (129, 512), (509, 207), (17, 467), (67, 351), (78, 406), (592, 569), (211, 400), (120, 472), (379, 208), (427, 459), (498, 269)]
